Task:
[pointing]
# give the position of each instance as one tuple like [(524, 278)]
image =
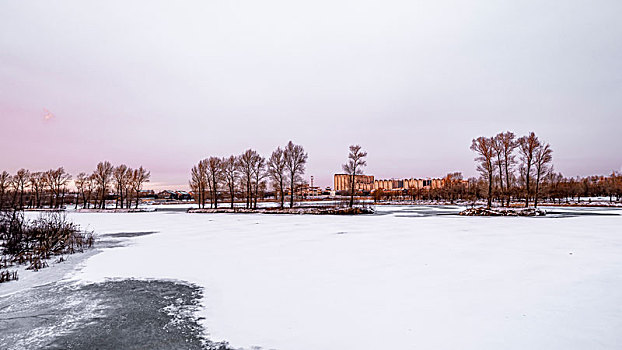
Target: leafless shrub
[(34, 242)]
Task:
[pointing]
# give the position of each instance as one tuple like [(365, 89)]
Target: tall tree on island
[(505, 144), (259, 173), (198, 182), (276, 171), (542, 160), (527, 146), (247, 163), (295, 162), (214, 176), (230, 174), (354, 167), (484, 147)]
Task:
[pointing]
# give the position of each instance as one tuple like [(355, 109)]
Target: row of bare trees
[(127, 183), (498, 166), (247, 175), (49, 188), (34, 189)]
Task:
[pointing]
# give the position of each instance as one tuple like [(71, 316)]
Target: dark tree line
[(28, 189), (247, 176), (50, 189), (554, 188)]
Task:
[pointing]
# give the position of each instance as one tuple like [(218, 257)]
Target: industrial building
[(363, 183), (367, 183)]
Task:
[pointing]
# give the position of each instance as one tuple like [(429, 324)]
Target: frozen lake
[(407, 277)]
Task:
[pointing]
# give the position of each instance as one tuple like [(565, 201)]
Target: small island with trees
[(284, 169)]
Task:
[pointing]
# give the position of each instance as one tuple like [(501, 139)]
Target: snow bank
[(383, 281), (483, 211)]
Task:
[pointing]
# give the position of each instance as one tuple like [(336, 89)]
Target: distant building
[(174, 195), (310, 191), (408, 184), (146, 194), (361, 182), (367, 183)]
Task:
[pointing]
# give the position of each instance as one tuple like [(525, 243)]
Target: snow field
[(382, 281)]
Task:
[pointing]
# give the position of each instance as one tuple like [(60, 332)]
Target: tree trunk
[(535, 199), (281, 189), (501, 179), (256, 192), (489, 189), (215, 194), (527, 187), (248, 191), (352, 189), (232, 193), (291, 198)]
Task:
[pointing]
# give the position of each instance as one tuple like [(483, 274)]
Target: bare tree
[(198, 182), (354, 167), (527, 148), (230, 175), (259, 173), (81, 182), (276, 171), (246, 162), (19, 183), (63, 182), (48, 181), (195, 184), (103, 177), (91, 187), (498, 162), (295, 162), (128, 186), (120, 176), (214, 176), (57, 181), (139, 177), (453, 186), (36, 188), (505, 144), (5, 181), (483, 146), (542, 160)]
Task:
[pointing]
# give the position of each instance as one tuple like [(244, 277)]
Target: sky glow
[(164, 84)]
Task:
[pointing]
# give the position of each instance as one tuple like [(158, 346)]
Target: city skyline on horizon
[(412, 83)]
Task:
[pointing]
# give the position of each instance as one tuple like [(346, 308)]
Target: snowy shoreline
[(295, 210)]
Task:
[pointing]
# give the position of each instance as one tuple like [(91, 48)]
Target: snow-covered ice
[(393, 281)]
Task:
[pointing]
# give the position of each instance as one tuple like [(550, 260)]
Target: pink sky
[(164, 85)]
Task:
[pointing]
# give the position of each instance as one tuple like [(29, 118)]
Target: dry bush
[(34, 242)]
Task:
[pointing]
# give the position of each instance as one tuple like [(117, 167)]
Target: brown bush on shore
[(34, 242)]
